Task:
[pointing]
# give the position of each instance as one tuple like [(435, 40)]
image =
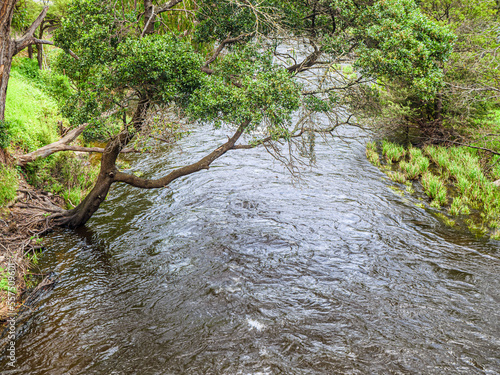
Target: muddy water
[(237, 270)]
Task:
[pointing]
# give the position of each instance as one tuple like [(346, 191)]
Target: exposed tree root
[(20, 226)]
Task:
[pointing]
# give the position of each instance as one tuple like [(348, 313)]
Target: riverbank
[(460, 183), (28, 194), (21, 226)]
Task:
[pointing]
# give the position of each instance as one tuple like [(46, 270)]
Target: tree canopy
[(244, 64)]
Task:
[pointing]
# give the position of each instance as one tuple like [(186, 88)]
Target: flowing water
[(237, 270)]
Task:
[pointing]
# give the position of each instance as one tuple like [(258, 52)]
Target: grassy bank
[(458, 181), (33, 120)]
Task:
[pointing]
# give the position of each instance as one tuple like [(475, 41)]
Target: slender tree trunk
[(30, 51), (149, 17), (39, 47), (39, 56)]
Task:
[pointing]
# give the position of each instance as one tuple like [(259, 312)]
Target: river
[(241, 270)]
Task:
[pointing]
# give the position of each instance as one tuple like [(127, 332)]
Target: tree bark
[(6, 50), (84, 211), (149, 18), (39, 55)]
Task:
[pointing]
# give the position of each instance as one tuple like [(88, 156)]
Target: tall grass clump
[(397, 177), (415, 153), (434, 187), (459, 206), (392, 151), (372, 154), (411, 170), (417, 164), (8, 184)]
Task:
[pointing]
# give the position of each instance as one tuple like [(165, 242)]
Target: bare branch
[(469, 146), (308, 62), (203, 163), (169, 5), (223, 44)]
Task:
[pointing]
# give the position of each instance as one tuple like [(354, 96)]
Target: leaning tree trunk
[(6, 50), (88, 206)]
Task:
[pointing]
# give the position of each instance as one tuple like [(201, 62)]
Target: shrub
[(65, 174)]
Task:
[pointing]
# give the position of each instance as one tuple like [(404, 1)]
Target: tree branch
[(307, 63), (27, 38), (62, 144), (169, 5), (42, 41), (203, 163), (31, 30), (223, 44)]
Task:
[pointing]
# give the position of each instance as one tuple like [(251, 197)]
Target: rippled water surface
[(237, 270)]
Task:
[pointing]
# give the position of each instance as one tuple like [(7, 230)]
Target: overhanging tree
[(137, 61)]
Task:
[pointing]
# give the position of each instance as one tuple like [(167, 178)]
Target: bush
[(27, 67), (4, 134), (65, 174)]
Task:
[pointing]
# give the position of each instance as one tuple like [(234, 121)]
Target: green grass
[(392, 151), (4, 281), (459, 206), (31, 114), (434, 187), (8, 185), (64, 174), (397, 177), (372, 154)]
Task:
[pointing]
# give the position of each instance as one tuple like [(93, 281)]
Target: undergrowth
[(8, 184), (65, 174), (33, 116)]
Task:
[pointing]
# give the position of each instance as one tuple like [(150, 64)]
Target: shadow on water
[(239, 271)]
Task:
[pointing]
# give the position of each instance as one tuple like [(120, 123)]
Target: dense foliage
[(388, 41)]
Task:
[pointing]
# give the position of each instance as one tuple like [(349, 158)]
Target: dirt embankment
[(22, 224)]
